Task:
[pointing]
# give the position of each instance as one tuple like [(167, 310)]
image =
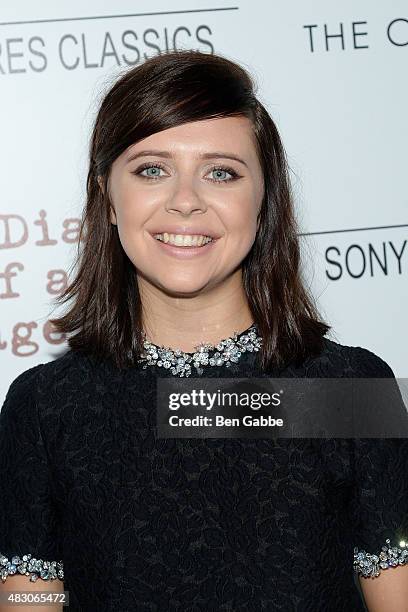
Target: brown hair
[(165, 91)]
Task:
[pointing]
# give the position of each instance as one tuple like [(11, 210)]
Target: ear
[(113, 215), (112, 210), (100, 183)]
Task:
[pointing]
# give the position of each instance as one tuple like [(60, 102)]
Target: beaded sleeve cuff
[(30, 566), (368, 564)]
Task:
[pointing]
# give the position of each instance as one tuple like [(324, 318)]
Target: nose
[(185, 199)]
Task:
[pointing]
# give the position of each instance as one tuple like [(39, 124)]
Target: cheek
[(130, 207), (240, 226), (130, 221), (241, 217)]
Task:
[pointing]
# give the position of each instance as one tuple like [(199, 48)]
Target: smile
[(184, 240), (199, 245)]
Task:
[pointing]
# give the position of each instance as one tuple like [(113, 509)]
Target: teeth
[(183, 240)]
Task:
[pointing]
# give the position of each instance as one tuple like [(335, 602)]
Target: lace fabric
[(150, 524)]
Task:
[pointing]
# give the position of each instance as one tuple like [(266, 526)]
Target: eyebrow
[(211, 155)]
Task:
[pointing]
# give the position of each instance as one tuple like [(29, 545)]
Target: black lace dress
[(132, 522)]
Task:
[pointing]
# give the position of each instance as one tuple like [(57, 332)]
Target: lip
[(184, 252), (183, 230)]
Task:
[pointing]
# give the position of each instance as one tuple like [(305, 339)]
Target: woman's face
[(183, 181)]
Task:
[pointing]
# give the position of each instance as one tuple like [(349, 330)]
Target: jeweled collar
[(181, 363)]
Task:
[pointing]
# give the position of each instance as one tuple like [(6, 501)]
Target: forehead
[(223, 133)]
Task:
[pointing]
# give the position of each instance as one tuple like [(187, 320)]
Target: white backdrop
[(332, 75)]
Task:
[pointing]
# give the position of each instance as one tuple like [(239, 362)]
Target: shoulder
[(340, 360), (357, 361), (70, 370)]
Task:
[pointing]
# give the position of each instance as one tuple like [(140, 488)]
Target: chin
[(182, 289)]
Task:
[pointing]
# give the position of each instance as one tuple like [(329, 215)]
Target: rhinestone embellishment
[(390, 556), (180, 363), (47, 570)]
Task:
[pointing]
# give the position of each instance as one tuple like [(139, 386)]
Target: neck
[(184, 322)]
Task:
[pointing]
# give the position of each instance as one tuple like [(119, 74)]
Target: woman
[(189, 237)]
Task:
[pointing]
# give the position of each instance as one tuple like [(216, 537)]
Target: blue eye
[(225, 170), (156, 173), (157, 167)]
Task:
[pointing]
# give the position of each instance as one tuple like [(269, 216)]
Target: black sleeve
[(379, 508), (29, 526)]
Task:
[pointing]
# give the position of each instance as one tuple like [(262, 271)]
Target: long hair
[(105, 316)]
